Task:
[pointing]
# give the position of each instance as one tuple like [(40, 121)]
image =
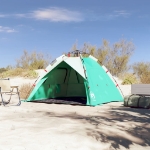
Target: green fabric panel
[(88, 102), (102, 89), (49, 85), (34, 93), (45, 92), (76, 90), (73, 78), (75, 86), (57, 76)]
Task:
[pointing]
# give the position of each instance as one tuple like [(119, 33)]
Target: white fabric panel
[(76, 64)]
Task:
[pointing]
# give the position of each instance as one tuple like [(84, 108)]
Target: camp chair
[(6, 89)]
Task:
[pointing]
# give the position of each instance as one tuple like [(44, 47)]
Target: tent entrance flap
[(63, 83)]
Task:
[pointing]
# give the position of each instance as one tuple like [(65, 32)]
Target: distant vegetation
[(26, 65), (2, 70), (20, 72), (129, 78), (142, 70), (33, 60), (115, 57)]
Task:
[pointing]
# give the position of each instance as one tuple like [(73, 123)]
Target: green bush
[(129, 78)]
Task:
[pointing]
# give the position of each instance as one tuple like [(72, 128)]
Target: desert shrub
[(115, 57), (2, 70), (142, 70), (27, 73), (33, 60), (25, 90), (145, 79), (128, 78)]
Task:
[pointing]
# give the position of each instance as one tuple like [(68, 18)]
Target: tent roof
[(76, 64)]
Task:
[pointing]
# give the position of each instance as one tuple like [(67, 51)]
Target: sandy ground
[(39, 126)]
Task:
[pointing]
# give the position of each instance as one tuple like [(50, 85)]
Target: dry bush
[(115, 57), (2, 70), (25, 90), (33, 60), (19, 72), (142, 70), (146, 78), (128, 78), (27, 73)]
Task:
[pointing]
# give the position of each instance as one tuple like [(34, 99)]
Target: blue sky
[(53, 26)]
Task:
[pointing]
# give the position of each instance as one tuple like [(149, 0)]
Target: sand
[(39, 126)]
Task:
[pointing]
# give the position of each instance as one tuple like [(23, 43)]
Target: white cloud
[(6, 29), (115, 15), (121, 13), (20, 15), (2, 16), (57, 15), (108, 16)]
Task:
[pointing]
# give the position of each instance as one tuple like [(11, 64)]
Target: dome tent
[(76, 77)]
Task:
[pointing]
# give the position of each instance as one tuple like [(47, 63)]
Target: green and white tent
[(76, 77)]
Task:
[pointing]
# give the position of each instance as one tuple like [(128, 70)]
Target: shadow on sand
[(119, 126)]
